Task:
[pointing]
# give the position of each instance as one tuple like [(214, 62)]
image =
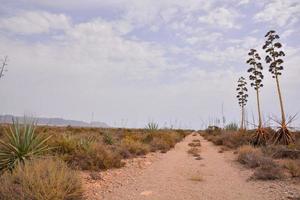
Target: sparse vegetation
[(269, 170), (249, 156), (293, 167), (196, 178), (231, 127)]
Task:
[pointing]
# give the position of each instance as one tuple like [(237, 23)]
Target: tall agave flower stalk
[(274, 59), (242, 98), (4, 64), (256, 76)]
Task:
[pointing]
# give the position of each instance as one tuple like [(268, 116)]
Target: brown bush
[(236, 139), (135, 147), (45, 179), (159, 144), (249, 156), (281, 151), (293, 167), (217, 140), (96, 158), (231, 139), (268, 170)]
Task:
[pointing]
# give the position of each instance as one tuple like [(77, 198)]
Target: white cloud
[(221, 17), (280, 12), (203, 38), (118, 69), (35, 22)]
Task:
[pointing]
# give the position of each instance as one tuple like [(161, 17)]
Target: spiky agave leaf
[(283, 136), (20, 144), (260, 137), (152, 126)]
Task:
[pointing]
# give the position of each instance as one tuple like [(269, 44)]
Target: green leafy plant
[(242, 98), (274, 59), (256, 77), (20, 144), (108, 139), (86, 143), (152, 126)]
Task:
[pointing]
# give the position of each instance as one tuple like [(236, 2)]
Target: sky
[(129, 62)]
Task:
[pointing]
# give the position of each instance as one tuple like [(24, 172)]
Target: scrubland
[(53, 172), (270, 161)]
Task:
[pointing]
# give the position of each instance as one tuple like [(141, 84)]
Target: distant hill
[(53, 121)]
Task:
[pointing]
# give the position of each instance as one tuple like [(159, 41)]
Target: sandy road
[(170, 178)]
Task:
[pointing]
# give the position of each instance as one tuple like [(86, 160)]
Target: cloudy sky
[(133, 61)]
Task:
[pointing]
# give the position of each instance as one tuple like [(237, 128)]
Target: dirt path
[(177, 175)]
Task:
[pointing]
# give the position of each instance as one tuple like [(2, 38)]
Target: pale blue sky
[(142, 60)]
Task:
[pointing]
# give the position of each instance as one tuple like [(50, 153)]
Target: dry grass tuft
[(293, 167), (268, 170), (194, 151), (196, 178), (194, 144), (45, 179)]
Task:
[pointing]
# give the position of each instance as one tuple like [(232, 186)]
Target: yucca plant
[(242, 98), (152, 126), (21, 143), (274, 59), (256, 77)]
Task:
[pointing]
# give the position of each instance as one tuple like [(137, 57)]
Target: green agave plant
[(152, 126), (20, 144)]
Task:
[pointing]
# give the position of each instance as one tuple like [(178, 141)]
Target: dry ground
[(177, 175)]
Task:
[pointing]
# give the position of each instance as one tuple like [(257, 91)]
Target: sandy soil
[(178, 175)]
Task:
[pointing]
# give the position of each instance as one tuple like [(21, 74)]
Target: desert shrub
[(249, 156), (21, 143), (230, 139), (44, 179), (293, 167), (64, 144), (281, 151), (213, 130), (162, 140), (135, 147), (86, 142), (236, 139), (217, 140), (95, 158), (231, 127), (193, 151), (108, 139), (268, 170), (159, 144)]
